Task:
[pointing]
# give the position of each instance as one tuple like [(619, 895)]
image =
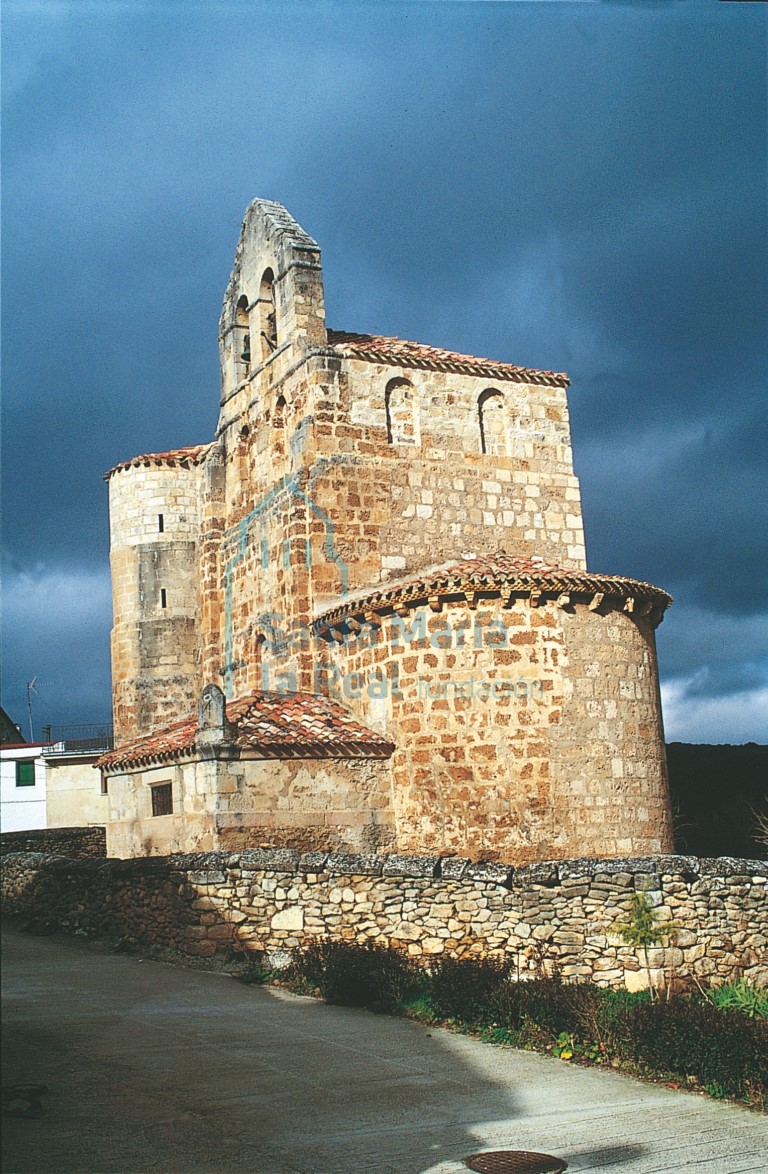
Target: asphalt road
[(152, 1067)]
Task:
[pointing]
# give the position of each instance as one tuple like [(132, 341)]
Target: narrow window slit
[(163, 600)]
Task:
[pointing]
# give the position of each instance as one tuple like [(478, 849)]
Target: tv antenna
[(32, 688)]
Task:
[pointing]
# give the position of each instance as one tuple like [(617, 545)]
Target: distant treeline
[(720, 799)]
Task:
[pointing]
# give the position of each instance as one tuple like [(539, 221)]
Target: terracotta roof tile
[(400, 352), (186, 458), (492, 574), (269, 725)]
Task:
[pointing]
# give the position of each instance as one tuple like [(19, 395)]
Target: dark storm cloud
[(685, 505), (57, 632), (576, 186)]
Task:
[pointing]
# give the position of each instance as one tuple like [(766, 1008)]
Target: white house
[(22, 787)]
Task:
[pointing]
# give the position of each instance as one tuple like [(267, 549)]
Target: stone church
[(360, 618)]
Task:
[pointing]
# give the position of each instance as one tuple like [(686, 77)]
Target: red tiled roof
[(398, 352), (185, 458), (167, 743), (272, 725), (493, 574)]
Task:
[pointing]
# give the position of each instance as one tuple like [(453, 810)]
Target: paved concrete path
[(153, 1067)]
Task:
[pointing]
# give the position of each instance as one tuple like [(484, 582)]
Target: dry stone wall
[(78, 843), (273, 902)]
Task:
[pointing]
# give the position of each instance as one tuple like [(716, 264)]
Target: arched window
[(278, 427), (260, 666), (267, 315), (242, 339), (402, 412), (493, 423)]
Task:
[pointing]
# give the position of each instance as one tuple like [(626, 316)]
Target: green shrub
[(418, 1005), (615, 1007), (356, 975), (482, 991), (721, 1040), (691, 1038), (550, 1003), (255, 976), (644, 928), (619, 1002), (740, 996), (464, 988)]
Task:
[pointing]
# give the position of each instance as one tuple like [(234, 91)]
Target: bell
[(246, 355)]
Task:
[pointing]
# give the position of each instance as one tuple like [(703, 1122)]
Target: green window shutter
[(25, 774)]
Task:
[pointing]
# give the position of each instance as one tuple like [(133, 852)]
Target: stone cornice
[(498, 577)]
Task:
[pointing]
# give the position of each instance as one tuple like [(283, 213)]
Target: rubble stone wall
[(76, 843), (273, 902)]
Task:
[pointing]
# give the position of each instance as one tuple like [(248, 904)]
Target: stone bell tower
[(394, 529), (154, 518), (273, 309)]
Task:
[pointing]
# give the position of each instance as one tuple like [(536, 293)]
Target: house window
[(493, 423), (25, 774), (402, 412), (162, 799)]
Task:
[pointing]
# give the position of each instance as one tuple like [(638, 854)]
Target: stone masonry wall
[(77, 843), (337, 805), (440, 493), (332, 474), (318, 504), (275, 901), (154, 528), (521, 732)]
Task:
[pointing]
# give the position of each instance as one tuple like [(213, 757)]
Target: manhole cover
[(515, 1162)]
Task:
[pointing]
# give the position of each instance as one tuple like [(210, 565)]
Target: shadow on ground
[(152, 1067)]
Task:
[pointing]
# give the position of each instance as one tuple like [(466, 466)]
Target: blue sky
[(576, 186)]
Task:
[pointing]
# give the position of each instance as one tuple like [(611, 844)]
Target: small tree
[(644, 928), (760, 833)]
